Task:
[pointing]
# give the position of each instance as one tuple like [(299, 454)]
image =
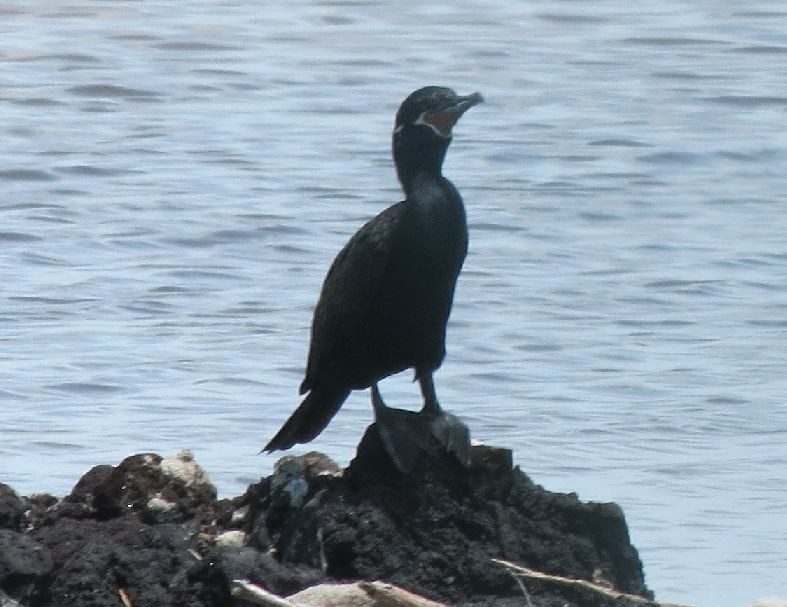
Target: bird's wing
[(340, 326)]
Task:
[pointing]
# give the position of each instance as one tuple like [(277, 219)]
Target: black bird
[(386, 299)]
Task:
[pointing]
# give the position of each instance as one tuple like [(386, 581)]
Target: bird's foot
[(448, 429), (405, 434), (452, 434)]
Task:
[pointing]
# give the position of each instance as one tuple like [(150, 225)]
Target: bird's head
[(423, 129), (433, 107)]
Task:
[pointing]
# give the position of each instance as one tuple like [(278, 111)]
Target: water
[(177, 177)]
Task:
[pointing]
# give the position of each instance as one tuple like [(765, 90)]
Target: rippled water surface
[(176, 178)]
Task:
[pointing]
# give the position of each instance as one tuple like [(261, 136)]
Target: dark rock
[(39, 508), (41, 501), (150, 529), (260, 568), (491, 460), (24, 563), (295, 481), (171, 489), (11, 508), (435, 530), (151, 563), (91, 496)]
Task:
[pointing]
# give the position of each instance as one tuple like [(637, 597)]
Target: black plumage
[(386, 299)]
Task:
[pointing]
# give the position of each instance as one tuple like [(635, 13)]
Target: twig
[(566, 582), (245, 590), (523, 588), (125, 598)]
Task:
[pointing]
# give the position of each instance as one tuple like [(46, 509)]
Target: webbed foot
[(453, 435), (448, 429), (403, 433)]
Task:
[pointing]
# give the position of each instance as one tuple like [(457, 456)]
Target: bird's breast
[(437, 215)]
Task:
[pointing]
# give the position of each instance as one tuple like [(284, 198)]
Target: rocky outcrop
[(150, 531)]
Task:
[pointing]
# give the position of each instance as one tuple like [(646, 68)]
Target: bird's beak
[(442, 121), (465, 103)]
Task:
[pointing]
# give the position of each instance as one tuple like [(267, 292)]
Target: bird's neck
[(418, 157)]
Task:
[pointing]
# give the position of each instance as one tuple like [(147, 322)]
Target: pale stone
[(159, 504), (183, 467), (231, 539)]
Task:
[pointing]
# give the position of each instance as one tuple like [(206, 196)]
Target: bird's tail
[(310, 418)]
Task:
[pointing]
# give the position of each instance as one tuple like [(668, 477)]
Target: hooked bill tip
[(465, 103), (475, 98)]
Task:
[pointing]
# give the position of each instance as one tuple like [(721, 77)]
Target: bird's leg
[(431, 406), (403, 433), (447, 428), (377, 401)]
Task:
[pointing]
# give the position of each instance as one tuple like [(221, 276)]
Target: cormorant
[(386, 299)]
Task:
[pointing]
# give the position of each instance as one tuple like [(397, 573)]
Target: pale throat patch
[(440, 122)]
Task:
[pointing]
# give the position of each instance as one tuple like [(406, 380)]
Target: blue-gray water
[(175, 178)]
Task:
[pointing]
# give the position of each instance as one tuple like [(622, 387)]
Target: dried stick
[(566, 582), (245, 590), (388, 595)]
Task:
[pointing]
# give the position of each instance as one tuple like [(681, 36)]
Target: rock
[(491, 459), (294, 478), (11, 508), (169, 489), (95, 494), (150, 531), (289, 480), (259, 568), (152, 564), (23, 562), (435, 530), (293, 475), (231, 539), (238, 517), (182, 467)]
